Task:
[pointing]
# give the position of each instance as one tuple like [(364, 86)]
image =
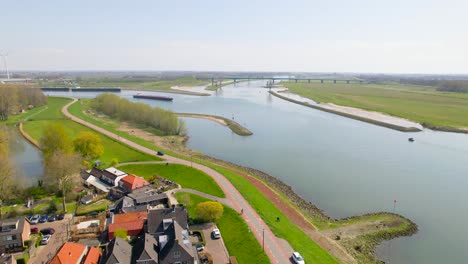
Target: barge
[(153, 97)]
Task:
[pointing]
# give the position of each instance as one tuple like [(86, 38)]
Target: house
[(13, 233), (117, 251), (76, 253), (145, 250), (7, 259), (133, 223), (87, 199), (111, 176), (156, 219), (132, 182), (148, 196)]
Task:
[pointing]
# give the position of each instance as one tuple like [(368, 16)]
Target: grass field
[(99, 206), (112, 148), (285, 228), (237, 237), (156, 84), (187, 177), (424, 105)]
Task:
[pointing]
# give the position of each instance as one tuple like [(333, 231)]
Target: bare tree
[(63, 170)]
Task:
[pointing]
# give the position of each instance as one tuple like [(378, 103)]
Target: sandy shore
[(372, 117)]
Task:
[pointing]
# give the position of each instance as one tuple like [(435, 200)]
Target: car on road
[(48, 231), (215, 233), (199, 247), (43, 218), (52, 218), (160, 153), (61, 216), (34, 229), (297, 258), (45, 239), (35, 219)]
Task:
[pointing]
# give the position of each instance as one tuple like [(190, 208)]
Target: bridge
[(273, 79)]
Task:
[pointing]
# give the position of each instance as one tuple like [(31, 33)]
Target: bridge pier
[(321, 81), (347, 81), (308, 80), (295, 80), (334, 81)]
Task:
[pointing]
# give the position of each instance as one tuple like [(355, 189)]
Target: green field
[(150, 84), (187, 177), (239, 241), (424, 105), (112, 148)]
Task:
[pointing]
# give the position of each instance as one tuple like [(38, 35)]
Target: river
[(344, 166)]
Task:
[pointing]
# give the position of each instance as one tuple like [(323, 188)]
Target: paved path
[(276, 249)]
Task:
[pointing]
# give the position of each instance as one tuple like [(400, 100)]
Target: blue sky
[(315, 36)]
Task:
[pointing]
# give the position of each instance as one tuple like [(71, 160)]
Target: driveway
[(215, 247), (44, 254)]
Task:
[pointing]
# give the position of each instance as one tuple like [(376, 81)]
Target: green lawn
[(112, 148), (286, 229), (420, 104), (187, 177), (237, 237), (99, 206)]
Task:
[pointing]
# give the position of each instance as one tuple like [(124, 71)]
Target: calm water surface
[(344, 166)]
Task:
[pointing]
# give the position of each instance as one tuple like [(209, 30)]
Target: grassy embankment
[(433, 109), (234, 126), (237, 237), (284, 229), (36, 124), (187, 177)]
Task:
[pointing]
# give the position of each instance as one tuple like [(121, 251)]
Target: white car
[(216, 234), (35, 219), (45, 239), (298, 259)]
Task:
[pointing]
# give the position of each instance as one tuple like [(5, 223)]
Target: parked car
[(35, 219), (43, 218), (199, 247), (48, 231), (93, 214), (52, 218), (216, 234), (34, 229), (94, 224), (61, 216), (298, 259), (45, 239), (160, 153)]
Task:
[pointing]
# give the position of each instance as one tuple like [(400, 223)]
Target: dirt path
[(278, 251)]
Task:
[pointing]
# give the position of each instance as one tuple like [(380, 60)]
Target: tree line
[(14, 98), (459, 86), (116, 107)]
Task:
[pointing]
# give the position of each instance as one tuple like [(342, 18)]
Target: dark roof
[(146, 249), (99, 173), (12, 226), (156, 217), (118, 251), (86, 198), (177, 240), (136, 208), (146, 197)]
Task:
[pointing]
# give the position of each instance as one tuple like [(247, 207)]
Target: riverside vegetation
[(359, 235), (434, 109)]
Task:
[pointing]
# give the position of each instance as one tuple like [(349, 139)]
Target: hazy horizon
[(398, 37)]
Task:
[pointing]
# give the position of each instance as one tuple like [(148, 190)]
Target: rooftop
[(70, 253)]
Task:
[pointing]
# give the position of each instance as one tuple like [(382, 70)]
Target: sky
[(364, 36)]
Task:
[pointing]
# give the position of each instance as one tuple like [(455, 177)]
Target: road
[(277, 250)]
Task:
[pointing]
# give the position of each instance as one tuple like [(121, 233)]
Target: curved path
[(275, 248)]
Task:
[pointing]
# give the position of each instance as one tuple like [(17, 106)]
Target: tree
[(122, 233), (55, 139), (89, 145), (63, 171), (6, 170), (209, 211)]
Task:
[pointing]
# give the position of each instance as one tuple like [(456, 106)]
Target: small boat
[(411, 139), (153, 97)]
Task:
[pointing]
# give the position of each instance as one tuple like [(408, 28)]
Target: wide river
[(344, 166)]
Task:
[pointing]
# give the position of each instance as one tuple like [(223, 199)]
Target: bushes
[(162, 120)]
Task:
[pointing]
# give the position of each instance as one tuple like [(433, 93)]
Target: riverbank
[(234, 126), (357, 114), (432, 109)]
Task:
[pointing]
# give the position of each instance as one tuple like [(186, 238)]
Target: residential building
[(13, 233), (156, 219), (112, 176), (76, 253), (133, 223), (117, 251), (131, 182)]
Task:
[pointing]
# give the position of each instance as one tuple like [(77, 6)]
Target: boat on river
[(153, 97)]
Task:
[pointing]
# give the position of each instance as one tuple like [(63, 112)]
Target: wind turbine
[(5, 56)]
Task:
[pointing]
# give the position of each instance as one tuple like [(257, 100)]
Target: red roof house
[(70, 253), (131, 222), (93, 256), (132, 182)]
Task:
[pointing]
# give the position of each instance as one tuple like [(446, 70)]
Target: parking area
[(215, 247), (44, 253)]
